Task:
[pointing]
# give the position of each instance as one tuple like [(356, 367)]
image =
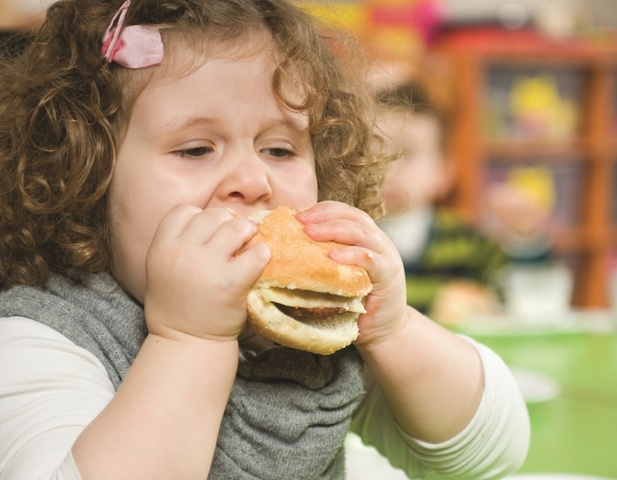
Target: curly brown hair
[(64, 109)]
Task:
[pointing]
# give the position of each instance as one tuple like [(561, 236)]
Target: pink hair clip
[(135, 46)]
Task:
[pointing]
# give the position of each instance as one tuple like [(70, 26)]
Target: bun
[(298, 262), (303, 299)]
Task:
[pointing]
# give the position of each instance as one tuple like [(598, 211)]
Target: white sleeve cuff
[(492, 445), (496, 440)]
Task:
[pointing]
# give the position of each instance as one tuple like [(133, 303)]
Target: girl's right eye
[(193, 152)]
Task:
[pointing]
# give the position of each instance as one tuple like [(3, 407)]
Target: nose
[(246, 179)]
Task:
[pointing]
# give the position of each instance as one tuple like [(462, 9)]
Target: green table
[(575, 432)]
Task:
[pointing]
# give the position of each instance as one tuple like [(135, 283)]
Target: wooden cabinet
[(521, 101)]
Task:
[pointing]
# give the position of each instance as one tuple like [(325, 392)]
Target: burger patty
[(315, 313)]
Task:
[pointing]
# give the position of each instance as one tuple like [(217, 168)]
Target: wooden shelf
[(589, 236), (551, 150), (570, 240)]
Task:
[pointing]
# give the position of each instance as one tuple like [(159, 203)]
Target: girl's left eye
[(194, 152), (279, 152)]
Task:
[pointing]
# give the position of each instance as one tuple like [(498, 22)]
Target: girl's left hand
[(369, 248)]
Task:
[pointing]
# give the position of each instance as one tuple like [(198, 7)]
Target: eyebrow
[(176, 124)]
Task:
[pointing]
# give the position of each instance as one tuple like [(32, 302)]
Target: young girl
[(136, 140)]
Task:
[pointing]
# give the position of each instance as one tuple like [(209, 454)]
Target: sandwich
[(303, 299)]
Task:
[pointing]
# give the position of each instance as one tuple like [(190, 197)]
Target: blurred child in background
[(452, 267)]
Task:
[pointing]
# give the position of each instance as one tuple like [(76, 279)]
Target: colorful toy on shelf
[(539, 109), (536, 182)]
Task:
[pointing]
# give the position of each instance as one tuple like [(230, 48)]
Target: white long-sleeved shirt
[(51, 389)]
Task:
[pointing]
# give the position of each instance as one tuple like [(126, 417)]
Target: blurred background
[(529, 91)]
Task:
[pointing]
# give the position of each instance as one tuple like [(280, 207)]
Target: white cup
[(538, 290)]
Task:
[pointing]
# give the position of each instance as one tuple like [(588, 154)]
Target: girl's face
[(216, 137)]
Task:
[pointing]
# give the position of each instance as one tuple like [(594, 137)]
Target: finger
[(359, 256), (341, 223), (204, 225), (330, 210), (348, 232), (380, 268), (251, 262), (175, 222), (367, 247), (231, 235)]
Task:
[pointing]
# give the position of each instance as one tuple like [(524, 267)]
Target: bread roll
[(303, 299)]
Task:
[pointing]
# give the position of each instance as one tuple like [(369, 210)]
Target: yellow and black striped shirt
[(453, 250)]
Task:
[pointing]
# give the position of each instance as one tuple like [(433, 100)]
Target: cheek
[(297, 189), (133, 223), (310, 190)]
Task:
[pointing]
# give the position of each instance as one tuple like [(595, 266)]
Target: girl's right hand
[(196, 282)]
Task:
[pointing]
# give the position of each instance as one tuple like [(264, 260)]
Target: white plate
[(535, 386), (555, 476)]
